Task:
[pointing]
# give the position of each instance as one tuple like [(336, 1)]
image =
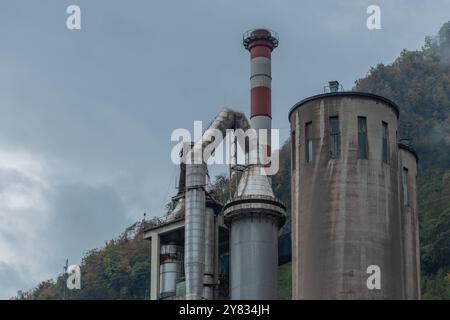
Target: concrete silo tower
[(354, 212)]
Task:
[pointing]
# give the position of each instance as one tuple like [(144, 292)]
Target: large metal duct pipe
[(195, 201), (178, 211)]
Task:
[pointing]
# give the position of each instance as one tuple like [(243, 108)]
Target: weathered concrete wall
[(345, 212), (410, 225)]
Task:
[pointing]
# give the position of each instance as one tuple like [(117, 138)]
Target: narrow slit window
[(405, 187), (293, 151), (308, 142), (385, 143), (335, 141), (362, 138)]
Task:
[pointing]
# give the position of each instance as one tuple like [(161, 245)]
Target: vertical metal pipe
[(195, 230), (216, 255), (154, 267), (208, 287)]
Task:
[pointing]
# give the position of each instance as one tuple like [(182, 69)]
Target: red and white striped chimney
[(260, 43)]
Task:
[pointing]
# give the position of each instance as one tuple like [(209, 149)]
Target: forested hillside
[(419, 82)]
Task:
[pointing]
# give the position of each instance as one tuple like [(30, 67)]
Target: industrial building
[(353, 203), (209, 250), (353, 199)]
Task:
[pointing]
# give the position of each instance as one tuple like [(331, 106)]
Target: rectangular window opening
[(385, 143), (308, 142), (362, 138), (335, 141), (405, 187), (293, 151)]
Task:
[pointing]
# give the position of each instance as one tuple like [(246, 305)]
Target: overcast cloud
[(86, 116)]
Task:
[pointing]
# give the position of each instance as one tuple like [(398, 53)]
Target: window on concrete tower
[(308, 142), (405, 187), (335, 141), (293, 151), (385, 143), (362, 138)]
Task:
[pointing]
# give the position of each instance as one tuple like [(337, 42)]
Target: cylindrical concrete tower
[(260, 43), (410, 220), (347, 232)]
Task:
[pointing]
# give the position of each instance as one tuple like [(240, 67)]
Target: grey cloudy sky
[(86, 116)]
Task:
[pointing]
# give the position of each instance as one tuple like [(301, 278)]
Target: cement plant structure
[(353, 199), (353, 203)]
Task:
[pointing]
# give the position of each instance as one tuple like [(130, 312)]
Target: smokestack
[(260, 43), (255, 215)]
